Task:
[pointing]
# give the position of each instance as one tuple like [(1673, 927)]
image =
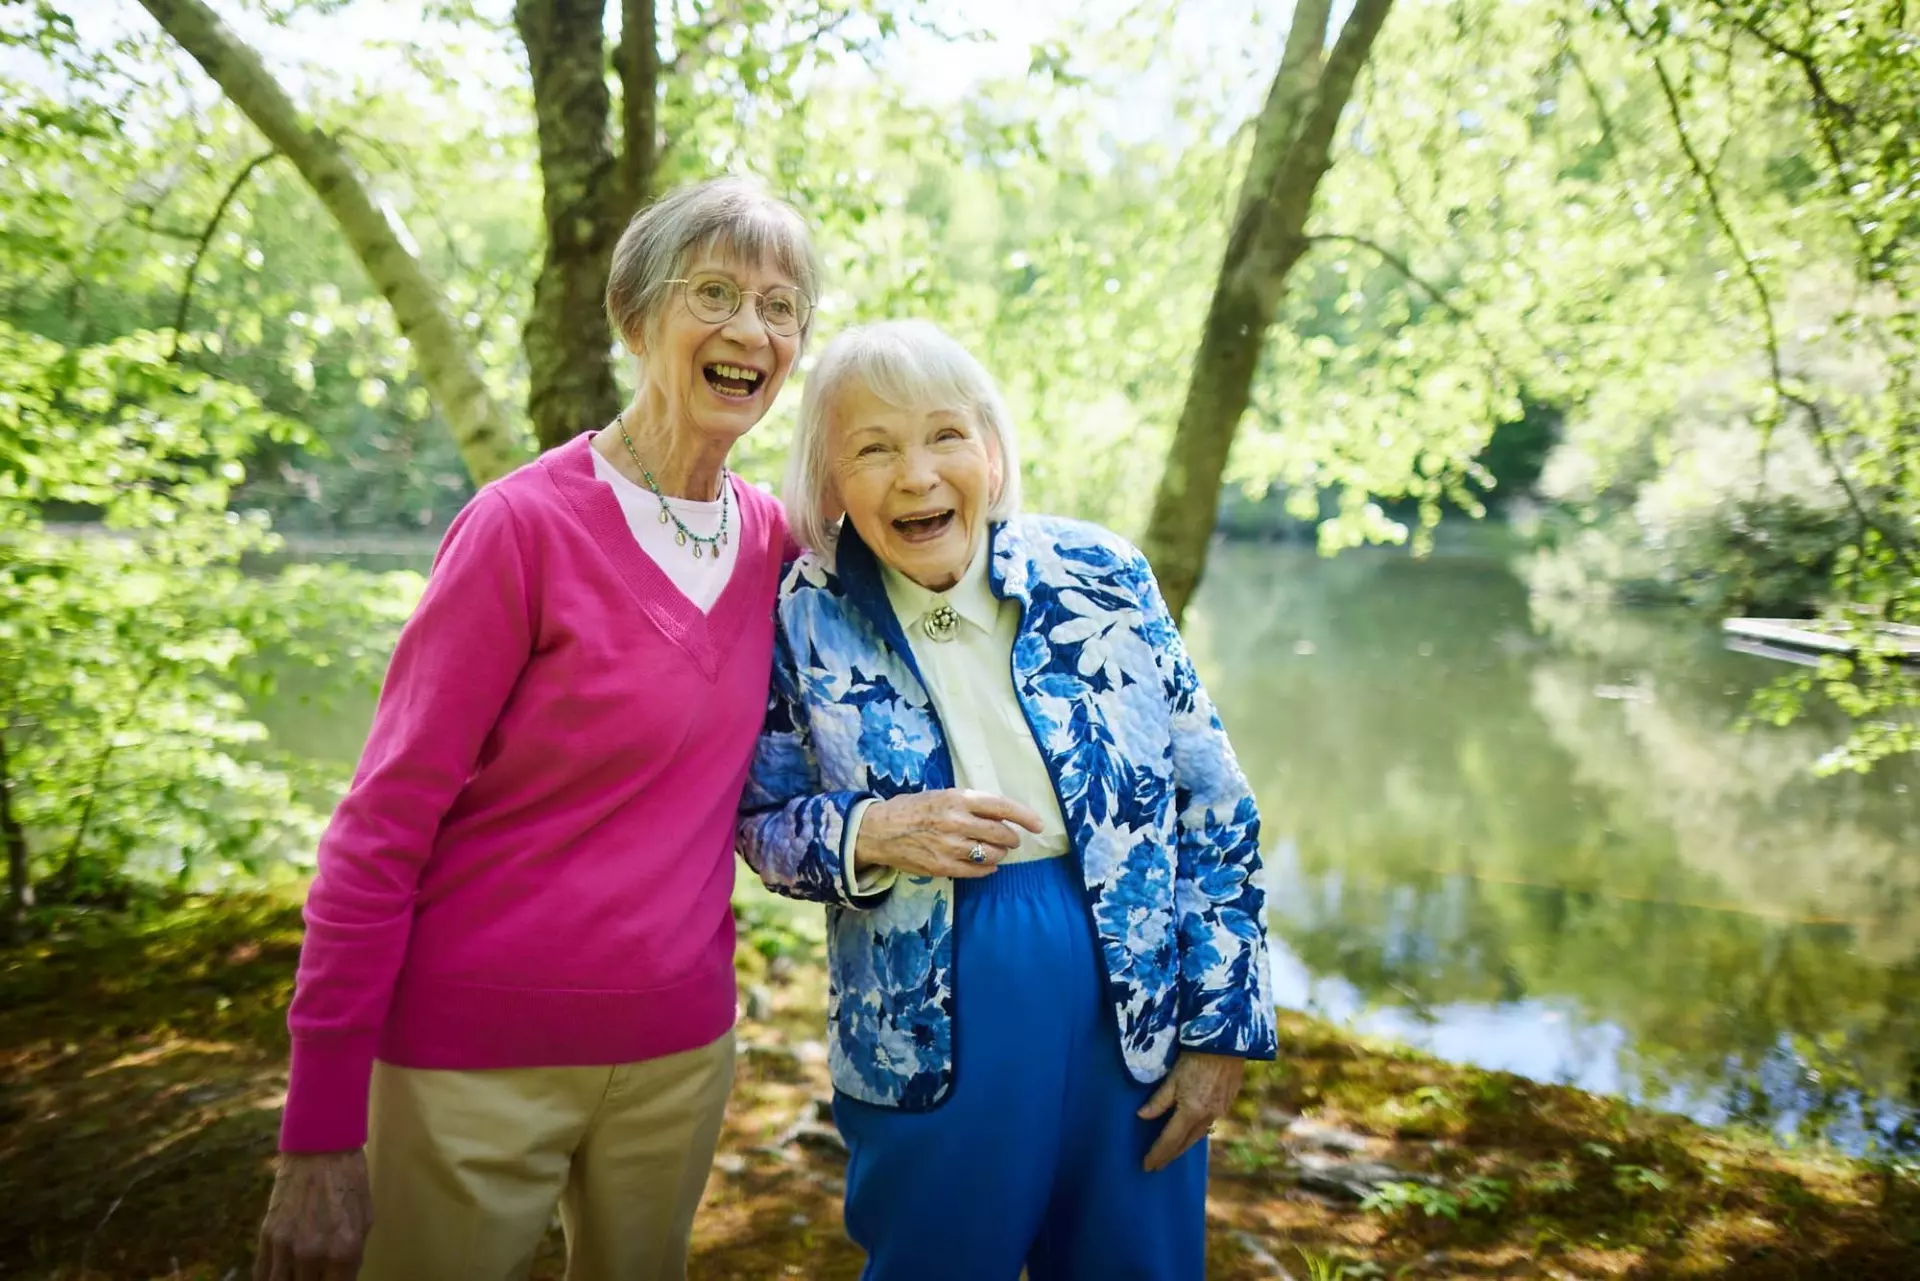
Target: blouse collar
[(972, 597)]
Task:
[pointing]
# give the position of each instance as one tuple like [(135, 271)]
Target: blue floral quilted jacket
[(1158, 813)]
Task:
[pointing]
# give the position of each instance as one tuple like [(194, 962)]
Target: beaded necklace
[(702, 543)]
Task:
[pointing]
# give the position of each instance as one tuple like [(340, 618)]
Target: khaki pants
[(467, 1166)]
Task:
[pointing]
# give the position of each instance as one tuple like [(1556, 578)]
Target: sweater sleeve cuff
[(327, 1089), (861, 887)]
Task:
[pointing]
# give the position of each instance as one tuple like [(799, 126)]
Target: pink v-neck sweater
[(534, 864)]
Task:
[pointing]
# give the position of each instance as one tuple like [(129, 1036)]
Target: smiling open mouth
[(736, 382), (924, 528)]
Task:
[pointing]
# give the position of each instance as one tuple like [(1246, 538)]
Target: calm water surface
[(1533, 838)]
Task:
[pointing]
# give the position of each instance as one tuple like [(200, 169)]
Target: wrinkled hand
[(317, 1218), (1199, 1090), (931, 833)]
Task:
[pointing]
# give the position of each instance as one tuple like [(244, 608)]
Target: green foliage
[(1392, 1200), (127, 643), (1477, 1195), (1638, 1180), (1482, 1194), (1326, 1267), (1785, 479), (1321, 1268), (774, 930), (1551, 1178), (133, 631)]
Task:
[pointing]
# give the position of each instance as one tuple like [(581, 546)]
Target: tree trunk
[(19, 885), (569, 350), (480, 427), (1292, 149), (638, 61)]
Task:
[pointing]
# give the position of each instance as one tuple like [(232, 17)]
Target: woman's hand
[(317, 1218), (1200, 1089), (933, 833)]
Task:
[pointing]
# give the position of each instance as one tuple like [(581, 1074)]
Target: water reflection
[(1534, 839)]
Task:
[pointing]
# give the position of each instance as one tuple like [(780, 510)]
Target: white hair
[(910, 364), (736, 217)]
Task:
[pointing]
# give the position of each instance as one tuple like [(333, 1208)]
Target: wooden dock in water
[(1806, 640)]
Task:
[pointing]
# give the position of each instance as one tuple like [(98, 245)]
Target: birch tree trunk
[(568, 345), (480, 427), (1292, 149)]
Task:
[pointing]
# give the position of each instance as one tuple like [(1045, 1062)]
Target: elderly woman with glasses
[(517, 986), (987, 752)]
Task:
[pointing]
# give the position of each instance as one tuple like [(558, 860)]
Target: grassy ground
[(142, 1066)]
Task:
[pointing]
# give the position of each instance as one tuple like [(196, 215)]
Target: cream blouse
[(970, 678)]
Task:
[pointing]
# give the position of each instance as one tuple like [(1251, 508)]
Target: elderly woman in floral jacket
[(987, 752)]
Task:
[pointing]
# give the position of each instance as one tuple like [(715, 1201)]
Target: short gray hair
[(910, 364), (734, 216)]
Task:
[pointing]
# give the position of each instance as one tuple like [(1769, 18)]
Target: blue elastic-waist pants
[(1034, 1158)]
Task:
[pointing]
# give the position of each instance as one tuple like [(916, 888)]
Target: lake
[(1531, 836)]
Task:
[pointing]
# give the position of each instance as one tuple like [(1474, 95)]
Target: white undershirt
[(699, 580)]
